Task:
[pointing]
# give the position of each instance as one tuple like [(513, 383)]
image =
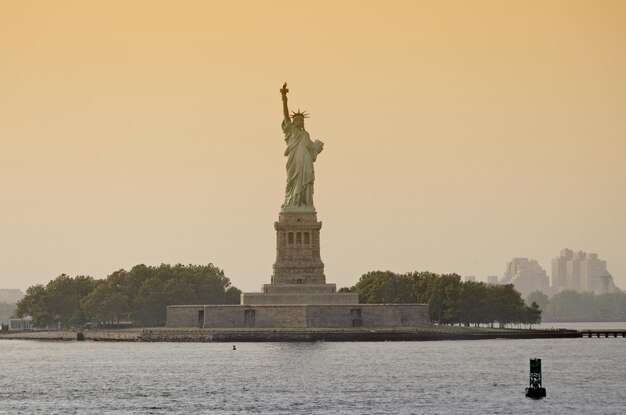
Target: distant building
[(492, 279), (527, 276), (470, 278), (20, 324), (10, 296), (580, 271)]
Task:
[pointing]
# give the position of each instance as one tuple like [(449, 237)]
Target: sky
[(458, 135)]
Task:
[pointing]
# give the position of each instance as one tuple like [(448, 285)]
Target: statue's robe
[(301, 153)]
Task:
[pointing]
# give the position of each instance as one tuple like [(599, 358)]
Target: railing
[(603, 333)]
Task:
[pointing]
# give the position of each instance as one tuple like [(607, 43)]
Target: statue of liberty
[(301, 152)]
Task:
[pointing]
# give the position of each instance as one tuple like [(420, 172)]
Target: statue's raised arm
[(283, 93)]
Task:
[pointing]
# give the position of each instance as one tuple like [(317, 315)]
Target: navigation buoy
[(535, 390), (234, 347)]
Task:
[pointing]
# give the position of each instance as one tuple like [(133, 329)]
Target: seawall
[(292, 335)]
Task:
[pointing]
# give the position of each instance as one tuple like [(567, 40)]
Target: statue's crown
[(302, 114)]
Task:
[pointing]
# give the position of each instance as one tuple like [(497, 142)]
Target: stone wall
[(381, 315), (280, 316), (126, 335), (298, 316), (409, 317), (299, 288), (298, 298), (184, 316), (41, 335), (331, 316), (221, 316), (297, 335), (368, 315)]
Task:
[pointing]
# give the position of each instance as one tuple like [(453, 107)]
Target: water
[(582, 376)]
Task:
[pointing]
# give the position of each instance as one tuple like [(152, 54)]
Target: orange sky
[(457, 134)]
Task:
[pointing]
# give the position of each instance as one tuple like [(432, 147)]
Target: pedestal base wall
[(298, 288), (298, 298), (298, 316)]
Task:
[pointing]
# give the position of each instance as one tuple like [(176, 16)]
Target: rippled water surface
[(582, 376)]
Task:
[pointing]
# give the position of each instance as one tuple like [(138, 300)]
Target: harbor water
[(581, 375)]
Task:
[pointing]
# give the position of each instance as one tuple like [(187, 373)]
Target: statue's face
[(298, 122)]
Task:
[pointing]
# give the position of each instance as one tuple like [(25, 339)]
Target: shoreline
[(429, 333)]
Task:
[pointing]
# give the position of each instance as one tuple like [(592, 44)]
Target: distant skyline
[(458, 135)]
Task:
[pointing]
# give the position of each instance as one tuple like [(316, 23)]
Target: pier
[(603, 333)]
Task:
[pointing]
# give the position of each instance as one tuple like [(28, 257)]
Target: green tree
[(141, 294), (106, 304), (149, 308), (424, 284), (58, 302), (34, 304), (532, 314), (377, 287), (179, 284), (449, 300), (443, 304), (232, 295), (62, 299), (472, 303), (505, 304), (610, 307), (540, 298), (568, 306), (575, 306)]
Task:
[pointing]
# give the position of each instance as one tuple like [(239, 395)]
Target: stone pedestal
[(299, 288), (298, 276), (295, 298), (297, 250)]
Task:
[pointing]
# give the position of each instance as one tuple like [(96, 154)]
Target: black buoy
[(535, 389), (234, 347)]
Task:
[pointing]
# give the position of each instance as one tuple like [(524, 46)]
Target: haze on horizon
[(457, 135)]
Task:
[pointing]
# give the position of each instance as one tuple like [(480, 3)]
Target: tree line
[(140, 295), (576, 306), (450, 300)]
